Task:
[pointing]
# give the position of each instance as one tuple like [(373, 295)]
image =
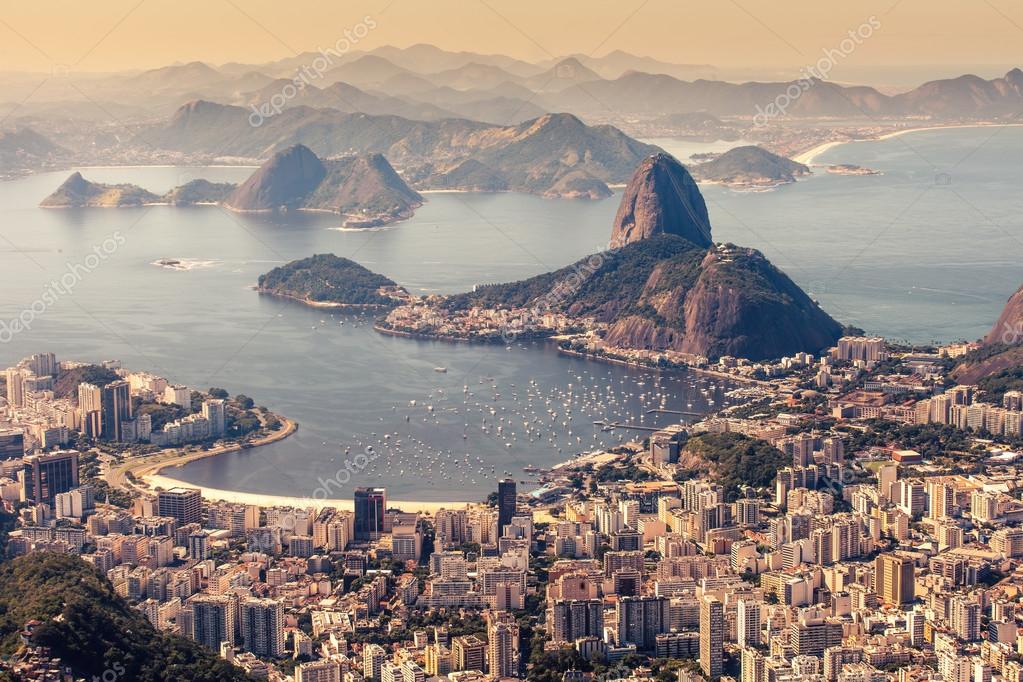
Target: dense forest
[(326, 278), (735, 460)]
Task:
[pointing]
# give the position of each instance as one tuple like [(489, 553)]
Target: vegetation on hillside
[(67, 382), (603, 284), (199, 192), (931, 440), (996, 385), (734, 460), (326, 278), (91, 628)]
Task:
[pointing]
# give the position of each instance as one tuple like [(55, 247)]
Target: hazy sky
[(101, 35)]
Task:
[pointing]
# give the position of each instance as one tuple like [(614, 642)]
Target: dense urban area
[(855, 520)]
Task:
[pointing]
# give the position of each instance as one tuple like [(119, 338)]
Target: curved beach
[(151, 470), (807, 158), (263, 500)]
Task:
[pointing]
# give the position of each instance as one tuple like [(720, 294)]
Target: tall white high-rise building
[(214, 412), (748, 623)]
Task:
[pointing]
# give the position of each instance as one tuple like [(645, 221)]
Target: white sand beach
[(262, 500), (807, 158)]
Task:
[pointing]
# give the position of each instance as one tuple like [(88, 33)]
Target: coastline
[(266, 500), (640, 365), (151, 470), (142, 466), (326, 305), (808, 157)]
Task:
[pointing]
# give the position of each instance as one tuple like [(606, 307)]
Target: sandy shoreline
[(154, 472), (807, 158), (265, 500)]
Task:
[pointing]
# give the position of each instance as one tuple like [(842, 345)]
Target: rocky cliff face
[(285, 180), (737, 303), (1003, 346), (1009, 327), (661, 198)]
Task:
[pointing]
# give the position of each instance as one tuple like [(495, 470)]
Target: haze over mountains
[(535, 156), (429, 111), (500, 89)]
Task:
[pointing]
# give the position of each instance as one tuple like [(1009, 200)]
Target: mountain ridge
[(532, 156)]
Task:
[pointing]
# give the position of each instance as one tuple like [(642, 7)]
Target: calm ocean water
[(927, 251)]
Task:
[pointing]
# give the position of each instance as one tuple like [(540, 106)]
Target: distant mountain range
[(25, 149), (554, 155), (428, 83), (587, 87), (114, 118)]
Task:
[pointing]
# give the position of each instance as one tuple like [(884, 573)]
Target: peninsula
[(664, 292)]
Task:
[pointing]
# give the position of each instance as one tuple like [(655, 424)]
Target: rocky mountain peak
[(661, 198)]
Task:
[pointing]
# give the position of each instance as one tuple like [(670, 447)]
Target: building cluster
[(425, 318), (240, 579), (847, 563), (34, 417)]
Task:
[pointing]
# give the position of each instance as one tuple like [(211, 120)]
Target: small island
[(329, 281), (77, 192), (749, 167), (851, 169)]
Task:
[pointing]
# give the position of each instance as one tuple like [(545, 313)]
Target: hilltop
[(89, 627), (77, 192), (750, 166), (549, 155), (661, 198), (363, 188), (733, 460), (327, 280)]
